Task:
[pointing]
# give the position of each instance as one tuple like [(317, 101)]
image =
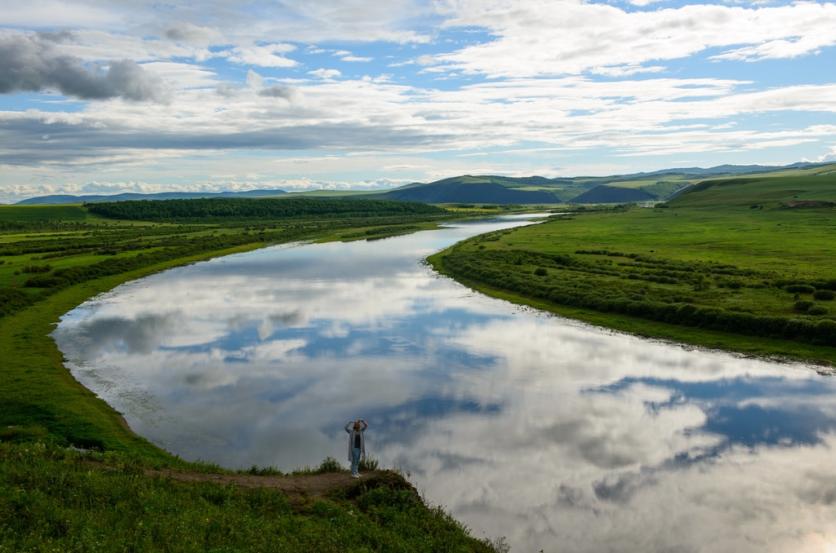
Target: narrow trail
[(296, 486)]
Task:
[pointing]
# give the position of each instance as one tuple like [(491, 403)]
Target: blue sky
[(110, 96)]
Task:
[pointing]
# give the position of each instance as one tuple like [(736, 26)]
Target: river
[(551, 433)]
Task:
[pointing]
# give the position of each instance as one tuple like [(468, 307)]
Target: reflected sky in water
[(554, 434)]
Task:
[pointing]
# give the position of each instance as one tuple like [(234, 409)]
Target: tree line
[(266, 208)]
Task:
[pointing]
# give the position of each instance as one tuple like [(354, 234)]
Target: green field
[(740, 264), (52, 498)]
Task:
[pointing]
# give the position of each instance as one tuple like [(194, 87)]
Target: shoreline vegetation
[(741, 265), (74, 477)]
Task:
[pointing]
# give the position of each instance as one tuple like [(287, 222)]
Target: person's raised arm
[(348, 426), (364, 423)]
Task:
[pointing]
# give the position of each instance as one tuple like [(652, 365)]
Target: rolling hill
[(636, 187), (612, 195), (756, 192), (665, 184), (452, 191)]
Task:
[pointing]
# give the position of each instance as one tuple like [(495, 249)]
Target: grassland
[(54, 498), (739, 264)]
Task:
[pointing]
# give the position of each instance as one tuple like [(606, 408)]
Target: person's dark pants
[(355, 460)]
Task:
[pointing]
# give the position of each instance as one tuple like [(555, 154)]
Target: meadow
[(739, 264), (73, 477)]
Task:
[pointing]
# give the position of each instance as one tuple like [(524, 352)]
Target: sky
[(107, 96)]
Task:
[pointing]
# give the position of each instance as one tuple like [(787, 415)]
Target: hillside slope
[(461, 192), (759, 192), (612, 195)]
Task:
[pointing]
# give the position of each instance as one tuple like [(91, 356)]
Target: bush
[(802, 306), (368, 464), (11, 300), (329, 465), (817, 310), (799, 288), (540, 271), (825, 295), (36, 269), (45, 282)]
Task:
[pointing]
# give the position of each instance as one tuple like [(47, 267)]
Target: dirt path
[(296, 486)]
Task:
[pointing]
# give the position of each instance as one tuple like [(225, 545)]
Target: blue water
[(548, 432)]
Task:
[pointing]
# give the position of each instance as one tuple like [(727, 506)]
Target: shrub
[(802, 306), (540, 271), (36, 269), (45, 282), (368, 464), (799, 288), (329, 464), (825, 295), (817, 310), (11, 300)]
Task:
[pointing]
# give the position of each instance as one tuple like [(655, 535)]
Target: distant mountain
[(497, 189), (636, 187), (718, 170), (454, 191), (612, 195), (95, 198)]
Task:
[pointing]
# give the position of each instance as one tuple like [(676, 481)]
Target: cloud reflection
[(555, 434)]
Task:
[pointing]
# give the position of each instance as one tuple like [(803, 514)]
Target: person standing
[(356, 444)]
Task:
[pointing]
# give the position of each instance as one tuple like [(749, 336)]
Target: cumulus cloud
[(570, 37), (35, 63), (569, 77), (268, 55), (323, 73)]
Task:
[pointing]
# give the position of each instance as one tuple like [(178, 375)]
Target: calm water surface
[(557, 435)]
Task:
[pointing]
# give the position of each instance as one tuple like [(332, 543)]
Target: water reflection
[(554, 434)]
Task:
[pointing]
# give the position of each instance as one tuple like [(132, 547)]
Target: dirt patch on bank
[(302, 486)]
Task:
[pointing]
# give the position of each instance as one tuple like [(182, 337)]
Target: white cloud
[(356, 58), (268, 55), (39, 14), (640, 109), (571, 37), (323, 73)]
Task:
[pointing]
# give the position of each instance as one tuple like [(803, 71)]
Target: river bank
[(757, 282)]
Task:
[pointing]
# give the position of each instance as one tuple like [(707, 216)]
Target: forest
[(267, 208)]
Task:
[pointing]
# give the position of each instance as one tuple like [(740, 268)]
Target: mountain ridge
[(662, 184), (133, 196)]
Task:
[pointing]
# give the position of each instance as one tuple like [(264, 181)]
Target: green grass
[(705, 273), (53, 499), (43, 213), (767, 192)]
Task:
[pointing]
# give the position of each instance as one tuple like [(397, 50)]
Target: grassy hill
[(493, 189), (453, 191), (603, 194), (637, 187), (760, 192), (744, 264)]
